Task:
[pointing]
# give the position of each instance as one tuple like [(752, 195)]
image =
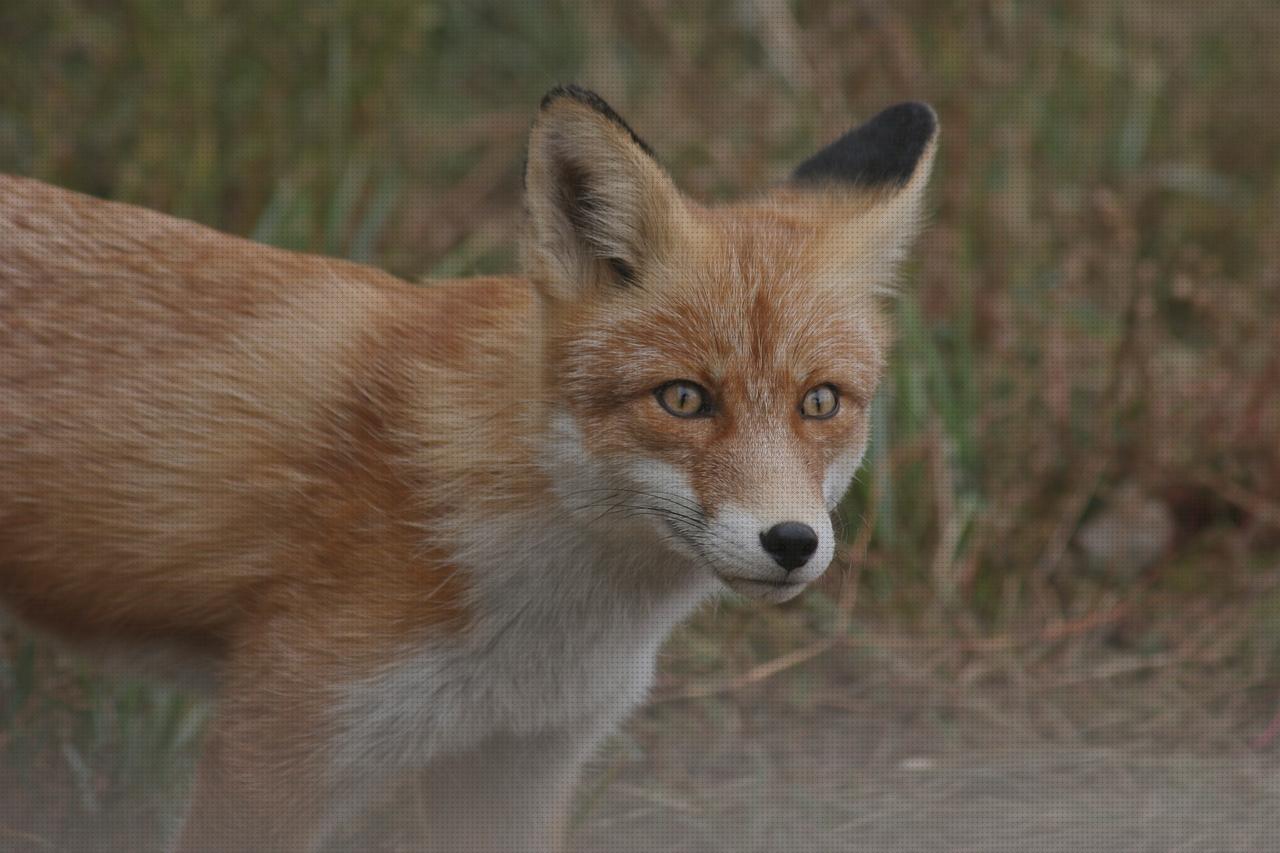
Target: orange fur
[(308, 471)]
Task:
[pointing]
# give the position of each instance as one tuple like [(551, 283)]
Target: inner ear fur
[(600, 207)]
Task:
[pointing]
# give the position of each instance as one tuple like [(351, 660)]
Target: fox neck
[(578, 605)]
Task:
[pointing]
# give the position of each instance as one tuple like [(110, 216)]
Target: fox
[(432, 537)]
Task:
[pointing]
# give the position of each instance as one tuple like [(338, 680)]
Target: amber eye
[(820, 403), (684, 399)]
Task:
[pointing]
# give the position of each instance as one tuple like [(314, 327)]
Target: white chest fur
[(565, 637)]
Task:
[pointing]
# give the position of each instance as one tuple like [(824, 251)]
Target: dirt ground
[(862, 751), (1108, 755), (839, 782)]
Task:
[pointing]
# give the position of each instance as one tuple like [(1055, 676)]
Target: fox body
[(439, 533)]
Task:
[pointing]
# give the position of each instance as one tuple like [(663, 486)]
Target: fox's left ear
[(887, 152), (872, 182), (601, 209)]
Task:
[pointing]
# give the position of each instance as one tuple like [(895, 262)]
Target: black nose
[(790, 543)]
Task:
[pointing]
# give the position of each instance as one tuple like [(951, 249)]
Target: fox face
[(710, 369)]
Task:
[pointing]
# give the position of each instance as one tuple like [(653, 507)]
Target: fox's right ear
[(601, 208)]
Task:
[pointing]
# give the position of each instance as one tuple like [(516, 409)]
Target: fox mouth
[(765, 589), (686, 529)]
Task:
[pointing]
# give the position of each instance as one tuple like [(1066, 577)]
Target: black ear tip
[(883, 151), (575, 93), (914, 118), (594, 102), (916, 110)]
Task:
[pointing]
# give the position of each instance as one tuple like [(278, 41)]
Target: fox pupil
[(683, 399)]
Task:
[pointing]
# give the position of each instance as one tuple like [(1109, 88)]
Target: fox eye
[(820, 403), (684, 399)]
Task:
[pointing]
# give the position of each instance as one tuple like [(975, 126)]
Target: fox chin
[(439, 533)]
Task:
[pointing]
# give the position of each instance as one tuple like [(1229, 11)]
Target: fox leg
[(264, 782), (235, 809), (513, 792)]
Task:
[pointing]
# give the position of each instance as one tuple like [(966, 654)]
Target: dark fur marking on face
[(624, 271), (590, 99), (882, 152)]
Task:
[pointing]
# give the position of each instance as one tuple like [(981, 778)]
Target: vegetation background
[(1070, 518)]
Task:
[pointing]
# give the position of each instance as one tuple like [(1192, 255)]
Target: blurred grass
[(1091, 321)]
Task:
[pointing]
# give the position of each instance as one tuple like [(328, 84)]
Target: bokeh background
[(1067, 536)]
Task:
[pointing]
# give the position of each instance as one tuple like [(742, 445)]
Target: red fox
[(436, 535)]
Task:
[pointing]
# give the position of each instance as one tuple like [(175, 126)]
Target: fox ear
[(883, 153), (601, 208), (871, 182)]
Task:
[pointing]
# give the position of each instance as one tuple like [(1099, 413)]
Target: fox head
[(710, 368)]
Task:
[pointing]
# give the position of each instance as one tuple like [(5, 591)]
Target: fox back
[(438, 533)]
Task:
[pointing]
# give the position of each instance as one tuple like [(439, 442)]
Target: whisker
[(698, 520), (672, 499)]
